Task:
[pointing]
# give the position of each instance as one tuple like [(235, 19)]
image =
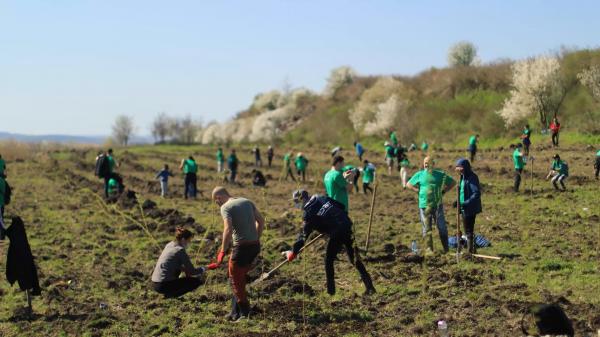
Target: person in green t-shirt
[(190, 169), (526, 139), (519, 165), (368, 174), (301, 162), (597, 165), (473, 146), (220, 160), (287, 160), (2, 167), (404, 167), (393, 138), (112, 163), (390, 154), (338, 183), (559, 171), (113, 187), (232, 164), (431, 184), (424, 146)]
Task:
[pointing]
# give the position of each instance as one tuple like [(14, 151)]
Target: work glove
[(220, 257), (289, 255), (213, 266)]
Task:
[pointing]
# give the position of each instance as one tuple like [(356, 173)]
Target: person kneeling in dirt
[(242, 227), (258, 179), (469, 200), (329, 217), (172, 261), (559, 171)]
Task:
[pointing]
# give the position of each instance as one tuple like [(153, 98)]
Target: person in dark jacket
[(469, 200), (19, 262), (327, 216), (258, 178)]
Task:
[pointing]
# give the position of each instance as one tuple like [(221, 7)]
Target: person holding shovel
[(172, 261), (431, 184), (329, 217), (469, 200), (242, 227)]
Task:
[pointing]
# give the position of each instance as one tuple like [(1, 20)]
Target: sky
[(71, 66)]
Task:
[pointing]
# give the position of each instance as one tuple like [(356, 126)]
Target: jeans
[(517, 179), (164, 188), (559, 178), (437, 216), (232, 175), (177, 287), (469, 224)]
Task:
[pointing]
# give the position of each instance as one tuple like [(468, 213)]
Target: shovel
[(265, 276)]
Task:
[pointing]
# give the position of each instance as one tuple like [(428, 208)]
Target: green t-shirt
[(424, 146), (560, 166), (473, 140), (527, 132), (3, 165), (190, 166), (390, 152), (112, 186), (300, 163), (220, 157), (111, 163), (431, 185), (335, 186), (518, 160), (393, 138), (286, 160), (368, 174), (405, 163), (2, 191)]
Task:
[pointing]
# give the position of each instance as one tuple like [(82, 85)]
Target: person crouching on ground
[(242, 227), (431, 184), (469, 200), (327, 216), (559, 171), (172, 261)]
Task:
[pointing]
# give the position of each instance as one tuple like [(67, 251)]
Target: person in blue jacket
[(469, 200), (359, 150)]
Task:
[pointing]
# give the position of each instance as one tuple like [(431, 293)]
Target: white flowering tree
[(123, 129), (339, 78), (537, 88), (463, 53), (590, 78)]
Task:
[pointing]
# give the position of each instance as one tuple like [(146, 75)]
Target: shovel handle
[(301, 249)]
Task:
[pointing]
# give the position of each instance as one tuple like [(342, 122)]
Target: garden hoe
[(265, 276)]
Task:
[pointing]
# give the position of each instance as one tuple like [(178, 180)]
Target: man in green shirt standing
[(390, 154), (431, 184), (519, 165), (368, 173), (473, 146), (287, 159), (424, 146), (301, 162), (338, 183), (220, 160), (190, 168)]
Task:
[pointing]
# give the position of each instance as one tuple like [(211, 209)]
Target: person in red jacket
[(555, 129)]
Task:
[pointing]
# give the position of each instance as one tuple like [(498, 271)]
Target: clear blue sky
[(71, 66)]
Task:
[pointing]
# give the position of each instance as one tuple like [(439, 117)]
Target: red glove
[(220, 257), (290, 255), (212, 266)]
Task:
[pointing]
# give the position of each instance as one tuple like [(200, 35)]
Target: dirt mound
[(169, 219), (286, 286)]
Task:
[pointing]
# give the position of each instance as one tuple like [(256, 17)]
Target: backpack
[(7, 192), (102, 167)]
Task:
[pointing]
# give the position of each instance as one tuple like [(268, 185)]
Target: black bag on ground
[(102, 167), (7, 193), (550, 319)]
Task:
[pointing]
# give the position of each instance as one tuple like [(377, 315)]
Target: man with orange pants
[(243, 226)]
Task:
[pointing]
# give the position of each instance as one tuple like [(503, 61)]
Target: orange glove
[(212, 266), (220, 257), (290, 255)]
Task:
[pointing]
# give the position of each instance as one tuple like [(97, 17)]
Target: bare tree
[(123, 129), (160, 127)]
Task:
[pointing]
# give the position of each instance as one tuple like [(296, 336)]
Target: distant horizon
[(71, 68)]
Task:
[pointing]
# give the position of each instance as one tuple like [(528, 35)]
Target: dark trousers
[(517, 179), (289, 173), (360, 157), (356, 183), (1, 228), (469, 224), (232, 175), (597, 167), (302, 174), (270, 159), (190, 186), (177, 287), (334, 246), (366, 188), (473, 151), (555, 139)]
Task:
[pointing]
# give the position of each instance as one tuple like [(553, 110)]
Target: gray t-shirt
[(241, 211), (171, 262)]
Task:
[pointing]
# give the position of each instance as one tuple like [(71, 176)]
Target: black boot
[(234, 315), (244, 310), (471, 244)]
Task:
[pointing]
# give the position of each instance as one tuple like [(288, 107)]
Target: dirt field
[(95, 259)]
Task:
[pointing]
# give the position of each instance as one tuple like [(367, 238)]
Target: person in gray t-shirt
[(172, 261), (242, 226)]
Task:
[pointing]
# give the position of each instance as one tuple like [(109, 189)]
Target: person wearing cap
[(559, 171), (338, 183), (327, 216), (242, 227), (390, 153), (469, 200), (431, 184), (301, 162), (519, 166)]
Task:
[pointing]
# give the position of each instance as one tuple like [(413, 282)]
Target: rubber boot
[(244, 310), (234, 315), (470, 244)]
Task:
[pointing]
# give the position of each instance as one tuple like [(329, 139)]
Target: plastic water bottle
[(443, 328), (414, 247)]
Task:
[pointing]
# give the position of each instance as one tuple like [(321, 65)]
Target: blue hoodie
[(472, 191)]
